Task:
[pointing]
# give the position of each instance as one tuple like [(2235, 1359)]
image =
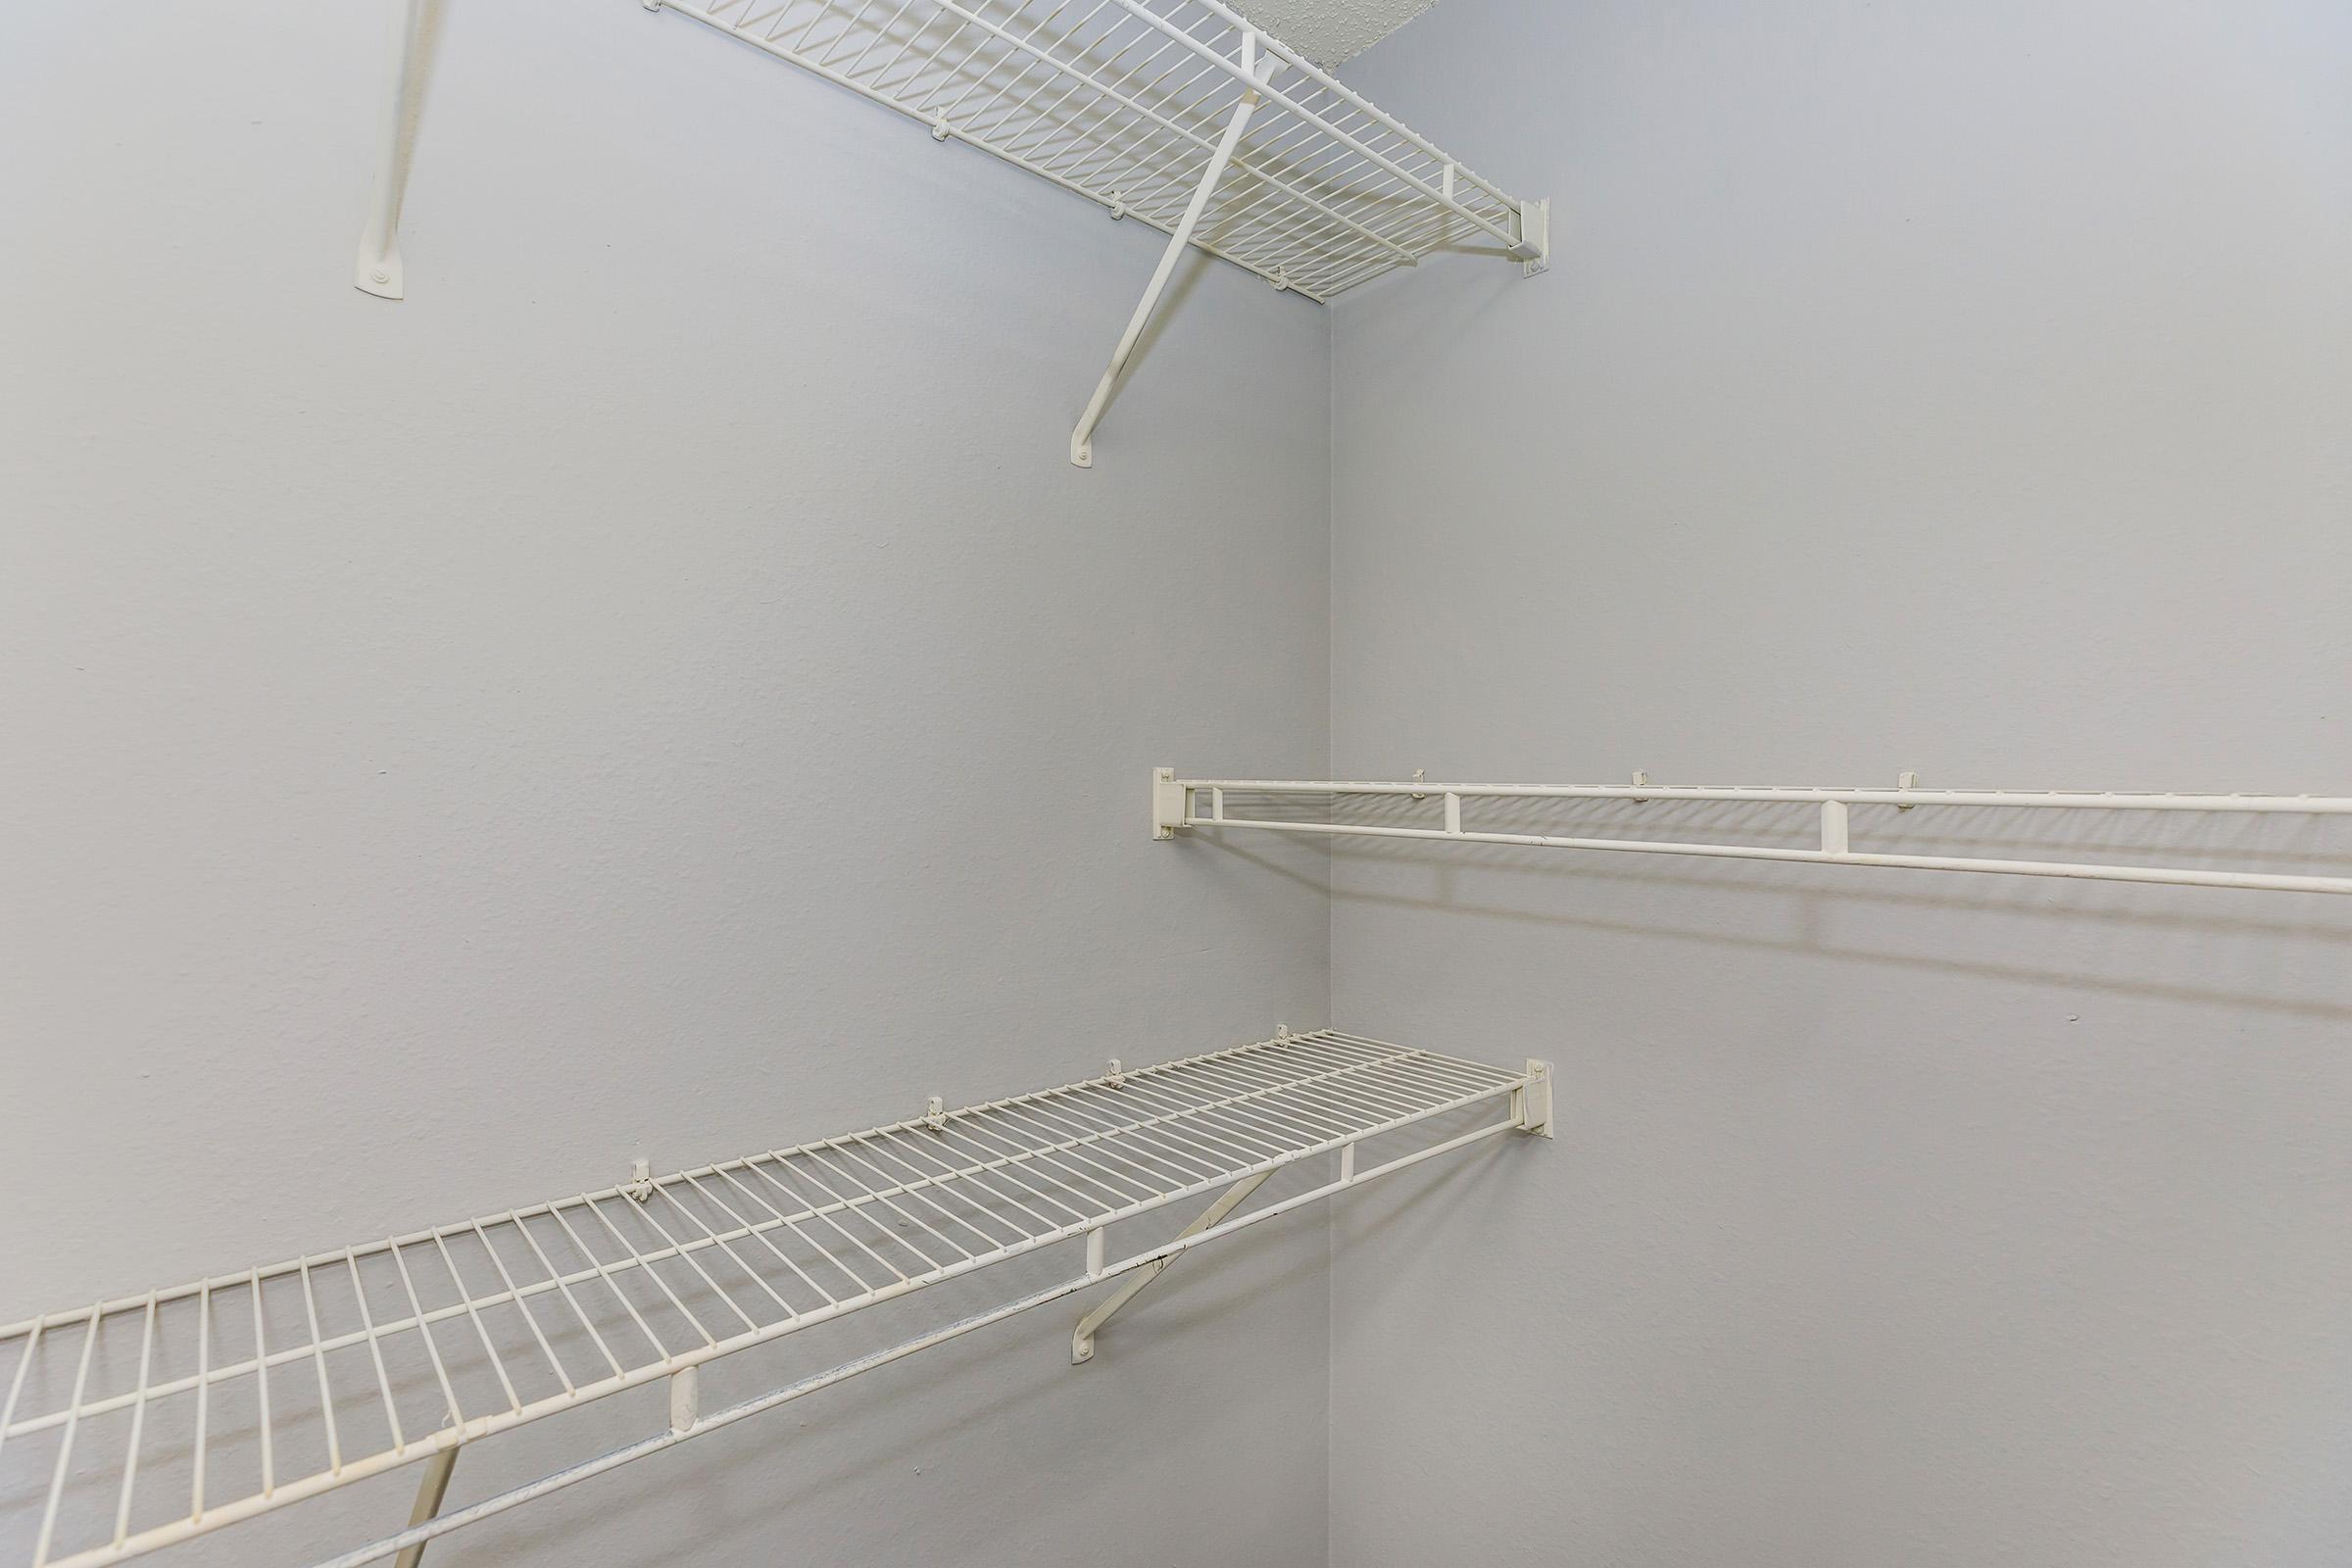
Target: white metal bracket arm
[(430, 1490), (1259, 69), (378, 271), (1082, 1338)]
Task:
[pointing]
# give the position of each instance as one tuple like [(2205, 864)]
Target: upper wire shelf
[(1441, 817), (1123, 101), (136, 1423)]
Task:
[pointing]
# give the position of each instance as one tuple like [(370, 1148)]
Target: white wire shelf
[(140, 1422), (1124, 101), (1176, 111), (1180, 803)]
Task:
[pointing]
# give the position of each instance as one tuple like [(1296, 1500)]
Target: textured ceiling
[(1328, 31)]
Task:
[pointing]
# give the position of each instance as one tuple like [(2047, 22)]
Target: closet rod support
[(1082, 1338), (378, 270), (430, 1490), (1260, 69)]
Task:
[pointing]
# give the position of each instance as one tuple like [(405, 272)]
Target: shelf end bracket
[(1167, 802), (1533, 1101), (1533, 250)]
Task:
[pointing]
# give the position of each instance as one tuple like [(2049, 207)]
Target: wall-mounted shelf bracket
[(1533, 250), (1082, 1338), (378, 270), (1259, 69), (1168, 807), (783, 1241), (1534, 1102)]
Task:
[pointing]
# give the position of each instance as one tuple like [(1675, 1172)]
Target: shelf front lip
[(226, 1514), (2084, 872), (2056, 800)]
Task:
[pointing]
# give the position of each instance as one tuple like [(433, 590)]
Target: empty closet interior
[(597, 593)]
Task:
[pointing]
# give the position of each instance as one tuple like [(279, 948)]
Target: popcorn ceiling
[(1328, 31)]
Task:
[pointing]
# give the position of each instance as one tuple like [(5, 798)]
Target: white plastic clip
[(1118, 1074), (1639, 778), (1420, 776), (639, 1188), (1534, 1100), (935, 1114), (1118, 206), (1169, 802), (1281, 279), (1281, 1031), (939, 128), (1905, 781)]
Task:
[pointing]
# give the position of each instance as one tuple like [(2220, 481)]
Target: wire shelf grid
[(141, 1421), (1122, 101), (1334, 808)]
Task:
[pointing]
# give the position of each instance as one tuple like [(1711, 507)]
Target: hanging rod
[(256, 1390), (1176, 805)]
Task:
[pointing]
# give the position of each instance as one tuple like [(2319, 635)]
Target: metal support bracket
[(1532, 1102), (430, 1490), (1260, 68), (1167, 802), (378, 271), (1533, 250), (1082, 1338)]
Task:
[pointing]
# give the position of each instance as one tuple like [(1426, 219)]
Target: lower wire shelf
[(135, 1424)]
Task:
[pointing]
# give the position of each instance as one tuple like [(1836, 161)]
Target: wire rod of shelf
[(1123, 102), (1178, 804), (399, 1350)]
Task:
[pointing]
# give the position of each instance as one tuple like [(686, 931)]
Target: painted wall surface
[(454, 747), (1957, 388)]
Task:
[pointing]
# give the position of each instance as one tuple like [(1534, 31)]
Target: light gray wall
[(454, 747), (1959, 388)]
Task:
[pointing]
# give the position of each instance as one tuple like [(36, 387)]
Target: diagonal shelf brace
[(1259, 69), (430, 1490), (378, 270), (1082, 1338)]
